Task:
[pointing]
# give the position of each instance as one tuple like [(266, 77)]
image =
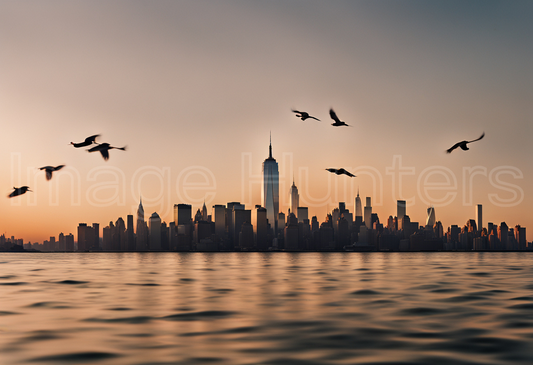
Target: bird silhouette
[(104, 149), (338, 122), (340, 172), (88, 141), (50, 169), (463, 144), (304, 115), (18, 191)]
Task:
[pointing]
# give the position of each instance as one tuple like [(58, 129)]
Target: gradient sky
[(193, 88)]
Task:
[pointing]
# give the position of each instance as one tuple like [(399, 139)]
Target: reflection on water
[(266, 308)]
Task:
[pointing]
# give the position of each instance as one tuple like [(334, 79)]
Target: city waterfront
[(266, 308)]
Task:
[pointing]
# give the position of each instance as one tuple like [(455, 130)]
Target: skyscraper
[(140, 215), (400, 209), (219, 215), (358, 206), (270, 189), (430, 221), (259, 222), (368, 213), (182, 214), (294, 199), (479, 217), (155, 232), (141, 231)]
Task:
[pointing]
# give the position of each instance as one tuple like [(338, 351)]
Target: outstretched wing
[(314, 118), (57, 168), (105, 154), (449, 150), (296, 111), (483, 135), (91, 139), (349, 173), (334, 116)]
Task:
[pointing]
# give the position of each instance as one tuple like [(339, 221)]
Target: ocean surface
[(266, 308)]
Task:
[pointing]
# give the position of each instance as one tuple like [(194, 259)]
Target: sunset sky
[(193, 89)]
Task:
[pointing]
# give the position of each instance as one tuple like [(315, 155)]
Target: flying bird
[(340, 172), (50, 169), (18, 191), (104, 149), (338, 122), (463, 144), (304, 115), (88, 141)]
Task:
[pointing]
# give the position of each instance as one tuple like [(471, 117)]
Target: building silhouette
[(270, 189), (479, 217), (368, 213), (358, 208), (294, 199), (155, 232), (430, 220), (141, 243)]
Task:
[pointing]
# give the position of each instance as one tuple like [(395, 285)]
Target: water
[(266, 308)]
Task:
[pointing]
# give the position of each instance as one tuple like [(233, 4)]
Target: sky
[(195, 88)]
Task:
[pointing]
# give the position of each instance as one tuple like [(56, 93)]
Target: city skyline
[(265, 225), (194, 88)]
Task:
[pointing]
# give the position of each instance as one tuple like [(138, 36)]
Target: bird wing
[(331, 170), (483, 135), (296, 111), (57, 168), (334, 116), (91, 139), (349, 173), (105, 154), (449, 150), (14, 193), (314, 118), (48, 174)]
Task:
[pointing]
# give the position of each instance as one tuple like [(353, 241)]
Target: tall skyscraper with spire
[(270, 188), (294, 199), (140, 214), (141, 231), (358, 206)]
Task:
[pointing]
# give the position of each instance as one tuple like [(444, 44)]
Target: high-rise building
[(182, 214), (155, 232), (479, 217), (82, 240), (294, 199), (358, 209), (69, 242), (141, 243), (368, 213), (219, 215), (302, 215), (400, 209), (140, 215), (430, 220), (259, 223), (270, 189), (204, 213), (130, 235), (240, 216), (119, 236)]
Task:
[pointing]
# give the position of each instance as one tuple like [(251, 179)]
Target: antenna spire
[(270, 147)]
